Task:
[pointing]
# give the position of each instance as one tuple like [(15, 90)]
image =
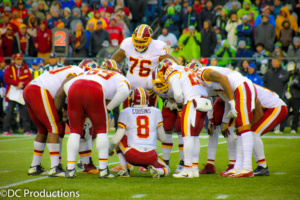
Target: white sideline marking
[(222, 196), (279, 173), (138, 195), (22, 182), (25, 138), (5, 171)]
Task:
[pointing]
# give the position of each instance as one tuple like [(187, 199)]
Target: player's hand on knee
[(225, 130)]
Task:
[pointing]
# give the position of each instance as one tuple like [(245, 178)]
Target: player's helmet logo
[(164, 65), (88, 64), (111, 65), (159, 83), (138, 97), (195, 66), (142, 37)]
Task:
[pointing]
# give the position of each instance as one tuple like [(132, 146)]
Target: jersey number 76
[(143, 71)]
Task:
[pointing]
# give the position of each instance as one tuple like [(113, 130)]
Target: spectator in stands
[(232, 3), (184, 6), (243, 67), (204, 62), (36, 12), (291, 95), (286, 35), (42, 7), (55, 18), (221, 20), (197, 6), (32, 26), (242, 52), (253, 75), (5, 23), (36, 69), (207, 13), (285, 14), (171, 21), (78, 42), (104, 15), (67, 3), (67, 17), (96, 18), (167, 37), (231, 25), (23, 12), (244, 31), (265, 11), (226, 53), (190, 43), (18, 80), (75, 19), (123, 25), (150, 12), (297, 11), (273, 78), (137, 8), (261, 56), (53, 63), (2, 90), (189, 18), (98, 39), (58, 5), (88, 32), (7, 42), (126, 11), (115, 32), (178, 6), (23, 43), (265, 33), (43, 41), (16, 20), (277, 6), (84, 13), (293, 51), (213, 61), (247, 9), (279, 52), (208, 40), (107, 8)]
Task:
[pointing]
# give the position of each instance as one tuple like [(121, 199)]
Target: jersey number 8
[(143, 130)]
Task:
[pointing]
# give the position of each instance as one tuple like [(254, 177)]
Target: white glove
[(87, 126), (232, 113), (172, 105)]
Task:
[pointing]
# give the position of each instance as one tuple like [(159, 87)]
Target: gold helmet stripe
[(143, 96), (141, 30), (114, 64)]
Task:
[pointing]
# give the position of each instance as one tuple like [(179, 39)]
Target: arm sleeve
[(176, 86), (116, 139), (120, 96)]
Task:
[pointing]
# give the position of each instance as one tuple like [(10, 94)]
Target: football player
[(87, 96), (274, 112), (191, 100), (241, 97), (39, 97), (139, 127), (142, 54)]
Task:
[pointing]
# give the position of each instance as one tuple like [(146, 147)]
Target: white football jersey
[(141, 126), (235, 78), (168, 95), (268, 98), (140, 65), (53, 79), (109, 80), (190, 85)]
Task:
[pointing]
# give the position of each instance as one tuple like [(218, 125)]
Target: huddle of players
[(91, 93)]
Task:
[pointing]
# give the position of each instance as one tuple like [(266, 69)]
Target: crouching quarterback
[(139, 127), (142, 54), (190, 96)]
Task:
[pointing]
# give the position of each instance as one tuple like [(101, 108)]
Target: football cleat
[(184, 174), (142, 169), (208, 169), (142, 37), (70, 173), (37, 170), (90, 169), (195, 173), (154, 172), (79, 164), (57, 171), (261, 171), (6, 133), (229, 172), (123, 173), (179, 167), (243, 173), (104, 173), (230, 166)]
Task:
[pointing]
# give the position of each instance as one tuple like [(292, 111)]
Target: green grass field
[(282, 154)]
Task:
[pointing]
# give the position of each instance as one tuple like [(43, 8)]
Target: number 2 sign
[(60, 41)]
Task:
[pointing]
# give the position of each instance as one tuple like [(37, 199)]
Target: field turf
[(282, 155)]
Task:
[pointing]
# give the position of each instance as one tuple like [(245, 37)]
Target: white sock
[(212, 145), (239, 154), (231, 146), (72, 149), (247, 142), (163, 171), (39, 148), (54, 153), (60, 148), (258, 150), (196, 152), (84, 151), (102, 144), (122, 161), (180, 146), (188, 143), (167, 146)]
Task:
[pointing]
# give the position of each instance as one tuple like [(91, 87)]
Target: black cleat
[(36, 170), (70, 173), (261, 171), (57, 171), (104, 173)]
